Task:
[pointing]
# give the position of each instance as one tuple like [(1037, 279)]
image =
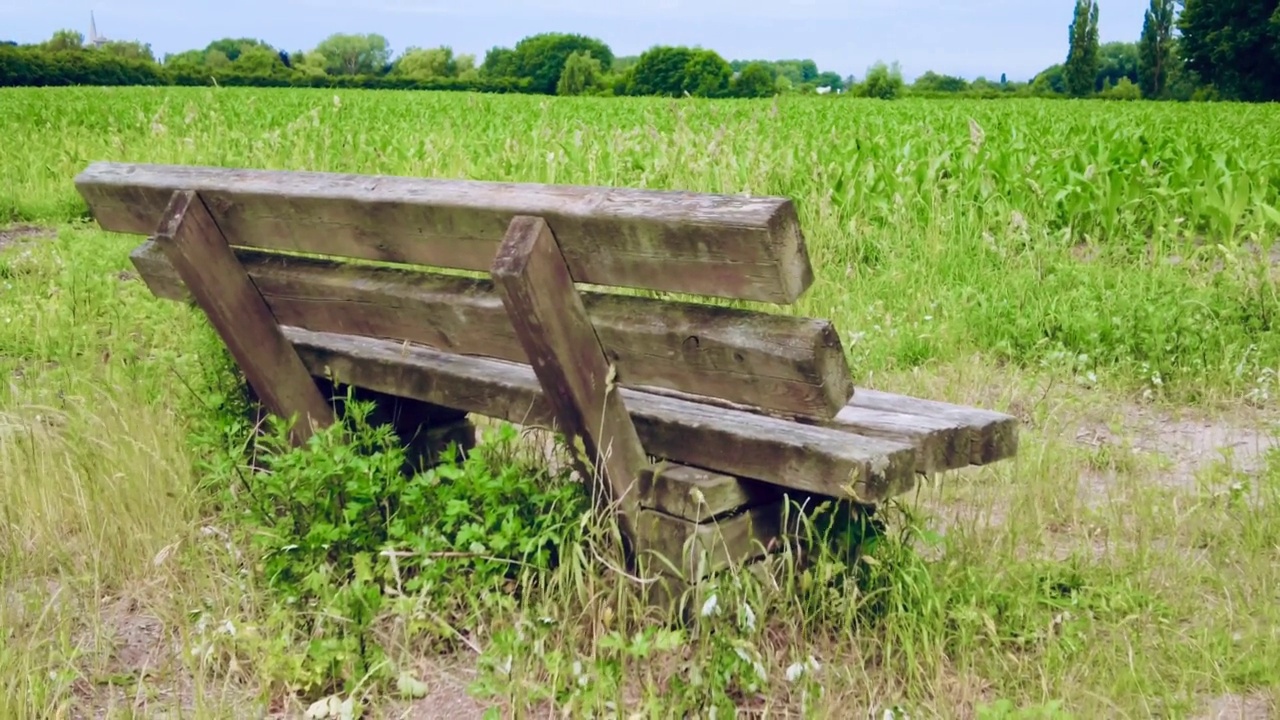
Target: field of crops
[(1105, 271)]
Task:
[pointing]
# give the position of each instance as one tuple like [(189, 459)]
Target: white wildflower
[(710, 606)]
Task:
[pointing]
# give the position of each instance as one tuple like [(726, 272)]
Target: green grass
[(1094, 268)]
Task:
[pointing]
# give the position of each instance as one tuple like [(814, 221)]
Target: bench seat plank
[(813, 459), (994, 434)]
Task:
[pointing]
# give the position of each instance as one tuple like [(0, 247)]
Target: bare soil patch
[(23, 233), (1239, 707), (447, 697), (1181, 446)]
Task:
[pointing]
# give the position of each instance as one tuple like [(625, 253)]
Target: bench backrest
[(741, 248)]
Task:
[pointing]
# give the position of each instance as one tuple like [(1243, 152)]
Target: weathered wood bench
[(309, 277)]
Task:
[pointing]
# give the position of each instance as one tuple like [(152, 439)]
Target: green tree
[(216, 59), (931, 81), (1155, 49), (829, 79), (232, 47), (1080, 71), (258, 60), (580, 75), (660, 71), (465, 65), (354, 54), (1183, 82), (798, 72), (541, 58), (672, 71), (754, 81), (426, 63), (130, 49), (1125, 89), (883, 82), (500, 62), (312, 63), (1052, 79), (191, 59), (65, 40), (1233, 45), (706, 74), (1116, 61)]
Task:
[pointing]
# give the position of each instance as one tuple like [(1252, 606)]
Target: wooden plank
[(941, 443), (731, 246), (692, 550), (778, 363), (549, 319), (994, 434), (204, 261), (699, 495), (820, 460)]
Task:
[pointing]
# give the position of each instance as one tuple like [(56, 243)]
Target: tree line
[(1188, 50), (546, 63)]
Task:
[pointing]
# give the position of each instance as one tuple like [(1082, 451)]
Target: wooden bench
[(702, 416)]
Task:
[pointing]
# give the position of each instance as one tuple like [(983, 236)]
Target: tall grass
[(1083, 265)]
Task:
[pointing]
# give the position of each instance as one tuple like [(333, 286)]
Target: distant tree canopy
[(675, 71), (755, 80), (883, 82), (355, 54), (431, 62), (582, 73), (1116, 61), (233, 47), (541, 59), (1225, 49), (1234, 46), (933, 82)]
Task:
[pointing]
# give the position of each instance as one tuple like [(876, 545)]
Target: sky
[(967, 38)]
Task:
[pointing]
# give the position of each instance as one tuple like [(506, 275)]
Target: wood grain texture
[(823, 461), (191, 240), (778, 363), (748, 248), (994, 435), (577, 380), (941, 443), (699, 495), (691, 551)]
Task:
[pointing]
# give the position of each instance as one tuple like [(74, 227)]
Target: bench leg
[(549, 319), (695, 525), (204, 260)]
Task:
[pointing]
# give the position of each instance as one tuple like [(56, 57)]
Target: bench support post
[(205, 262), (551, 322)]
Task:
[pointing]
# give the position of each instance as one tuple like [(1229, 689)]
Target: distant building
[(94, 40)]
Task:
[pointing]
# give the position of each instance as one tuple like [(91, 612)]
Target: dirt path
[(1182, 445), (23, 233)]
